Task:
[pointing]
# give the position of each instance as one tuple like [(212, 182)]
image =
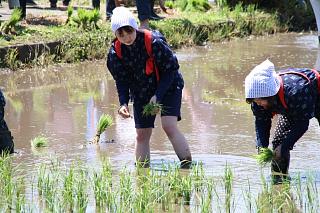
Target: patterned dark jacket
[(303, 102), (3, 125), (129, 72)]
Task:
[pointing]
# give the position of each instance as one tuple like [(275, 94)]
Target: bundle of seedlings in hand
[(39, 141), (265, 156), (152, 109), (104, 122)]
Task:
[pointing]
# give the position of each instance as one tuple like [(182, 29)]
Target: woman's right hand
[(124, 111)]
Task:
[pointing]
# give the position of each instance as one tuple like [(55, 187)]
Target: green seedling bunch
[(104, 122), (39, 141), (9, 26), (152, 109), (265, 156)]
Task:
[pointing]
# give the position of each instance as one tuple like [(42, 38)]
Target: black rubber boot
[(6, 142), (153, 15), (280, 170)]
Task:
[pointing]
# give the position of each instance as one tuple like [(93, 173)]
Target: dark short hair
[(250, 100), (127, 29)]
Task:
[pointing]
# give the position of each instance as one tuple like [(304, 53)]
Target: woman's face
[(126, 35)]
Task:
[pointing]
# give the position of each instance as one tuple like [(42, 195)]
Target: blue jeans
[(144, 9), (110, 5)]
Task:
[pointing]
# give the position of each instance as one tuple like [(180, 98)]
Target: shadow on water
[(65, 102)]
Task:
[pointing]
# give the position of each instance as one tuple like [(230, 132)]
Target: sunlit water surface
[(64, 103)]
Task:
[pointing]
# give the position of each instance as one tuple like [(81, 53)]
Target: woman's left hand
[(153, 100)]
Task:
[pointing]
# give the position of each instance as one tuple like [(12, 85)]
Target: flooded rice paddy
[(64, 103)]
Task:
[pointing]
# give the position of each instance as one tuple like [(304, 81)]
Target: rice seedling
[(11, 59), (67, 190), (228, 186), (247, 195), (69, 12), (126, 189), (169, 4), (265, 156), (9, 27), (39, 141), (105, 121), (186, 189), (87, 19), (102, 184), (6, 180), (81, 192), (152, 109), (198, 176), (205, 204)]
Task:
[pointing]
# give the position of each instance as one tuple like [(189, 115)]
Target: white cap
[(262, 81), (121, 17)]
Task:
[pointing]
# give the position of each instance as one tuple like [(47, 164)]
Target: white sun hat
[(121, 17), (262, 81)]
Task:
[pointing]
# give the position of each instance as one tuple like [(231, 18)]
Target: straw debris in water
[(39, 141)]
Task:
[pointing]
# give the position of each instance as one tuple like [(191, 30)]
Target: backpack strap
[(317, 74), (281, 93), (150, 63), (281, 90), (117, 46)]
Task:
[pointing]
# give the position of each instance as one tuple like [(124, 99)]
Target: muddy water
[(64, 103)]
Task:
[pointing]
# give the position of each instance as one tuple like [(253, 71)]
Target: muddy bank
[(73, 43)]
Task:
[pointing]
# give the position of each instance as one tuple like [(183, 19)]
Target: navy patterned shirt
[(129, 72), (3, 125), (302, 100)]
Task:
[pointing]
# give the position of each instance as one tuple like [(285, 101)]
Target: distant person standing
[(23, 7), (316, 9), (144, 12), (153, 15), (53, 3), (6, 143), (110, 5)]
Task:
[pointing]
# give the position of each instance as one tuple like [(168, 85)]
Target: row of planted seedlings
[(76, 188)]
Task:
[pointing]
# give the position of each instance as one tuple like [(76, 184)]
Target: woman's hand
[(124, 111), (153, 100)]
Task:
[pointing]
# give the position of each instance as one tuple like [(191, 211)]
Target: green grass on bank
[(186, 28)]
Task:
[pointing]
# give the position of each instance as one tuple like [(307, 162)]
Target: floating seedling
[(265, 156), (39, 141), (104, 122), (151, 109)]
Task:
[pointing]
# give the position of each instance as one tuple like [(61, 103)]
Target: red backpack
[(281, 90), (150, 64)]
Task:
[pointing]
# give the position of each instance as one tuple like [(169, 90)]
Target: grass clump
[(104, 122), (193, 5), (9, 27), (151, 109), (86, 19), (39, 141), (265, 156)]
